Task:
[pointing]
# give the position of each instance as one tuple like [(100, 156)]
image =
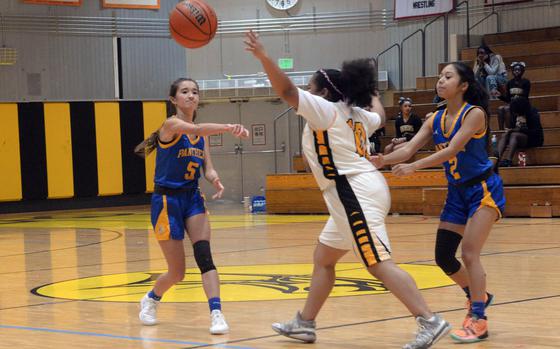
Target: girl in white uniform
[(335, 143)]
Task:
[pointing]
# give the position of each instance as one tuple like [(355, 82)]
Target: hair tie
[(330, 82), (403, 100)]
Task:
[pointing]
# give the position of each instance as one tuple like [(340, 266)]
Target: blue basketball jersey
[(470, 162), (179, 162)]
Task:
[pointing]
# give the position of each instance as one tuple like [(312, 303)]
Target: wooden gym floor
[(73, 280)]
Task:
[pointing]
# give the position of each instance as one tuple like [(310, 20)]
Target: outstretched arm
[(474, 122), (280, 82), (174, 126), (408, 150)]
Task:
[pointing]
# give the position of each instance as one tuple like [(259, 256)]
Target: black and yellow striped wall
[(75, 149)]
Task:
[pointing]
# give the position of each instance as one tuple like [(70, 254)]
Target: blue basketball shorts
[(169, 212), (463, 202)]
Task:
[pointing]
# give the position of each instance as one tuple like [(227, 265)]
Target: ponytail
[(475, 95), (147, 146)]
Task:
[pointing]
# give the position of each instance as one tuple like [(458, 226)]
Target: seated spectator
[(407, 125), (516, 87), (490, 71), (375, 140), (527, 133)]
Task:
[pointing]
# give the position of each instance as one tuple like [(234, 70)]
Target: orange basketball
[(193, 23)]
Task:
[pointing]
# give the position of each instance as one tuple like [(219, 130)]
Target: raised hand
[(253, 45)]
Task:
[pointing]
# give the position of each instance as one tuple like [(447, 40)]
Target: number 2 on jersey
[(191, 170), (453, 168)]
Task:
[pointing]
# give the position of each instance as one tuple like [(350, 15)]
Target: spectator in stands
[(527, 133), (516, 87), (490, 71), (375, 140), (407, 125)]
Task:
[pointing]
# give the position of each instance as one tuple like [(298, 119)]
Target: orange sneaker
[(489, 301), (475, 331)]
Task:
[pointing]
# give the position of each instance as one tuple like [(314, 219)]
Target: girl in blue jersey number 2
[(475, 197), (177, 204)]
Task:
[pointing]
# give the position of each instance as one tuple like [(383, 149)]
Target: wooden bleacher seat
[(538, 88), (519, 199), (298, 193), (547, 73), (549, 119), (531, 61), (523, 36), (542, 103), (513, 49)]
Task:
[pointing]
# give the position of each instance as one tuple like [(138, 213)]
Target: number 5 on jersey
[(191, 170)]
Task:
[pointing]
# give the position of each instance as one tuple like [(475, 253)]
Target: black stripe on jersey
[(132, 133), (324, 154), (33, 152), (84, 149), (357, 221)]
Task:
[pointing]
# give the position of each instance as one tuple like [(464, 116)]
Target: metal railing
[(238, 150), (274, 128), (400, 62), (468, 29), (423, 30), (493, 13)]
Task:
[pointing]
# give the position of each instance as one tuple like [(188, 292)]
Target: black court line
[(261, 249), (493, 253), (156, 259), (118, 235), (370, 322)]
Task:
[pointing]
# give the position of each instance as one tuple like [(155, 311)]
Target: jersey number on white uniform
[(359, 136)]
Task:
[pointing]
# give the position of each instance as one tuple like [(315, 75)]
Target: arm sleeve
[(318, 112)]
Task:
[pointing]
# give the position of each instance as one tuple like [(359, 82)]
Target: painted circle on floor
[(238, 283)]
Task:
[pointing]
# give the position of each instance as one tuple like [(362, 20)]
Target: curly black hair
[(354, 84), (359, 81)]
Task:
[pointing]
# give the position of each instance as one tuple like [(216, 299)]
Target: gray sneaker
[(297, 328), (429, 332)]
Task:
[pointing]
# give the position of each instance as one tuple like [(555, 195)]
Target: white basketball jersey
[(335, 138)]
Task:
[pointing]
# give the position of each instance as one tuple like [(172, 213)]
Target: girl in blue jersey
[(177, 204), (475, 198)]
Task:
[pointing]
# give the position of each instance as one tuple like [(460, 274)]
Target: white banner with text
[(422, 8)]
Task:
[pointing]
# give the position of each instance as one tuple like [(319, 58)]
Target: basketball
[(193, 23)]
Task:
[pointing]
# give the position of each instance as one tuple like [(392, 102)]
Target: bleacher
[(535, 186)]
